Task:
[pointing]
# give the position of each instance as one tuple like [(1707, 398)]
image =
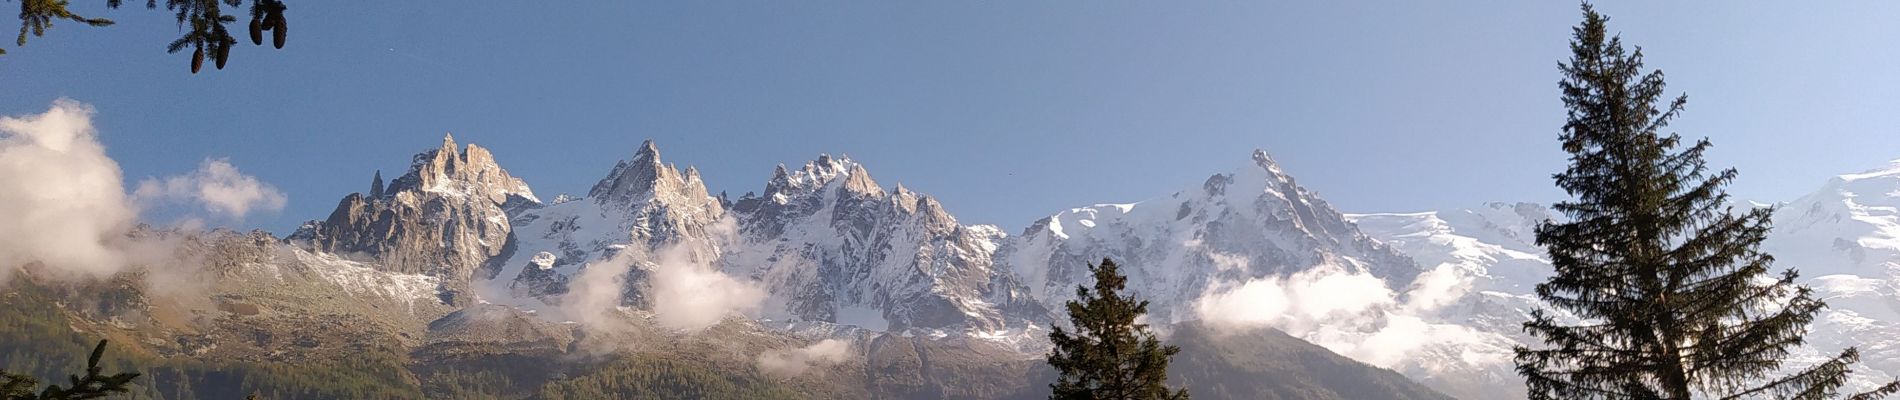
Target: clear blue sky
[(1007, 111)]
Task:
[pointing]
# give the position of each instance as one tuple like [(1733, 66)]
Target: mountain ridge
[(456, 264)]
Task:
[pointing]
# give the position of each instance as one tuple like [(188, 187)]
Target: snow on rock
[(1845, 239), (1439, 296), (1249, 224), (642, 202), (446, 217), (826, 242), (360, 279), (830, 244)]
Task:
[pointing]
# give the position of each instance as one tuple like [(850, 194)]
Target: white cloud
[(1437, 288), (1252, 304), (62, 200), (218, 186), (686, 292), (790, 363), (1307, 298), (1354, 315), (64, 212), (593, 298), (689, 294), (1336, 294)]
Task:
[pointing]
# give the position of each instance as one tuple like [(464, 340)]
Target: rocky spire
[(858, 181), (471, 171), (895, 251), (634, 177), (376, 185), (444, 218), (781, 179), (647, 151)]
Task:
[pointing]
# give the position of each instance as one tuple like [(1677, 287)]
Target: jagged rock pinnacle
[(376, 185), (1264, 160), (647, 151)]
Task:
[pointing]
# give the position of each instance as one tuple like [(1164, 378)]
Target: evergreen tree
[(91, 386), (1109, 356), (1675, 295), (206, 19)]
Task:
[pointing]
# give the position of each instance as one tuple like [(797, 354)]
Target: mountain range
[(455, 280)]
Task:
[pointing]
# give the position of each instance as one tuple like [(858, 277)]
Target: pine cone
[(257, 31), (224, 53), (277, 32), (197, 60)]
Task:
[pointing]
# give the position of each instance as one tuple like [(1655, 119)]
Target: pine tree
[(1675, 295), (91, 386), (1109, 356)]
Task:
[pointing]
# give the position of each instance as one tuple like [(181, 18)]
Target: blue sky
[(1007, 111)]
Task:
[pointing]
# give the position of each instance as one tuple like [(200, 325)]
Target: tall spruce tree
[(1675, 296), (1109, 356)]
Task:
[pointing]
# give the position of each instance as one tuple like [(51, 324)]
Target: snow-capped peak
[(819, 174), (445, 218), (644, 175), (1252, 223), (1851, 225), (1265, 161)]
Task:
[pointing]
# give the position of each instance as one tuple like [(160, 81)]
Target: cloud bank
[(686, 292), (1354, 315), (64, 211), (690, 294), (593, 299), (62, 202), (790, 363)]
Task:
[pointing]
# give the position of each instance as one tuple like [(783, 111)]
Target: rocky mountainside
[(454, 280), (1269, 364), (1845, 239), (445, 218), (824, 241), (834, 246), (643, 204), (1244, 225), (1489, 257)]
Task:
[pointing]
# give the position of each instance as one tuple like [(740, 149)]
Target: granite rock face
[(825, 242), (1255, 222), (837, 247), (446, 218), (643, 208)]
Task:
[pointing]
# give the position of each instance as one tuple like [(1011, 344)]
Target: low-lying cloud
[(685, 290), (62, 201), (689, 294), (64, 210), (790, 363), (1316, 296), (593, 299), (1353, 314), (689, 291)]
